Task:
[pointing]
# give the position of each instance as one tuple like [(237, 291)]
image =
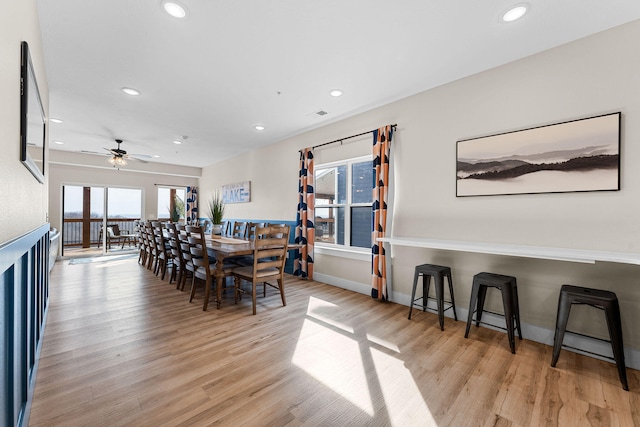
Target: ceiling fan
[(119, 156)]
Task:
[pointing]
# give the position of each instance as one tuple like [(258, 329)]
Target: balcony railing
[(73, 230)]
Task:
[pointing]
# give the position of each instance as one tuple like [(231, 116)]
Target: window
[(343, 198), (171, 203)]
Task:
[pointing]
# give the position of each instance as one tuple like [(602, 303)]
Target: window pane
[(124, 203), (361, 226), (329, 222), (163, 203), (361, 182), (97, 202), (72, 201), (331, 186)]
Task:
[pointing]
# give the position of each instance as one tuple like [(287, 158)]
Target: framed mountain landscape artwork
[(579, 155)]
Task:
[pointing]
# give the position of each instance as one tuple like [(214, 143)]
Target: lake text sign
[(239, 192)]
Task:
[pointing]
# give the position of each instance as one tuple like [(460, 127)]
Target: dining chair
[(150, 245), (225, 227), (183, 244), (142, 254), (163, 257), (250, 229), (203, 267), (239, 228), (269, 255), (249, 234), (177, 264)]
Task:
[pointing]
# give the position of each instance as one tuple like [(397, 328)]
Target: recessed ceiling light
[(177, 141), (58, 142), (155, 156), (130, 91), (514, 13), (174, 9), (258, 127), (336, 92), (55, 120)]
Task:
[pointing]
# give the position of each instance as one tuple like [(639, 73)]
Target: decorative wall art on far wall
[(579, 155), (239, 192)]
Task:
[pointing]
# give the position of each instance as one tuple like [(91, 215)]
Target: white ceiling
[(232, 64)]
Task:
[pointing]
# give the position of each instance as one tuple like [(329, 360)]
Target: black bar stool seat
[(438, 272), (508, 287), (600, 299)]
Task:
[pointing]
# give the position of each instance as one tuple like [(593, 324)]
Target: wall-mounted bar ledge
[(540, 252)]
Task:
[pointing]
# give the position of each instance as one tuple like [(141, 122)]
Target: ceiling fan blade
[(138, 160), (141, 156)]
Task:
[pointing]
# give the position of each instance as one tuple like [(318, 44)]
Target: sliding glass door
[(85, 218)]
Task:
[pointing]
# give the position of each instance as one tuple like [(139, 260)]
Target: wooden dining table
[(229, 247)]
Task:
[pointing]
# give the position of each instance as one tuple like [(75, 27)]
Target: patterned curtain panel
[(305, 228), (191, 206), (381, 154)]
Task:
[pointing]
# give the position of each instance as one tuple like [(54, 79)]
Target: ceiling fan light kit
[(119, 158), (117, 162)]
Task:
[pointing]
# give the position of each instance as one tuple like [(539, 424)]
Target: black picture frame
[(573, 156), (32, 118)]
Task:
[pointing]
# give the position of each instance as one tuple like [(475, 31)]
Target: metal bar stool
[(438, 273), (508, 287), (597, 298)]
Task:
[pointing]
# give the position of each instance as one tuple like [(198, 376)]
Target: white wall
[(592, 76), (23, 200)]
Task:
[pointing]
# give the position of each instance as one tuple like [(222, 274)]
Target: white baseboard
[(530, 332), (339, 282)]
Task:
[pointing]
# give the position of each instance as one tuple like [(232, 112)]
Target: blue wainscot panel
[(24, 295)]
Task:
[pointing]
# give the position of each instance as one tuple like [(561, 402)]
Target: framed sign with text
[(239, 192)]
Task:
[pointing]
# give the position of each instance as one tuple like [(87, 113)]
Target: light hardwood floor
[(123, 348)]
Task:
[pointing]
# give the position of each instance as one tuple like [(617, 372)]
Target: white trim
[(125, 170), (529, 332), (343, 252), (339, 282)]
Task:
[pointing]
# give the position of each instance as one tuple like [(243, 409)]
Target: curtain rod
[(348, 137)]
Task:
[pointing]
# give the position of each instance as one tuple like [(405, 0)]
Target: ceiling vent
[(318, 113)]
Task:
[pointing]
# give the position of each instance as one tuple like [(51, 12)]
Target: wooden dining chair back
[(239, 228), (163, 255), (177, 264), (142, 254), (250, 229), (269, 256), (226, 225), (185, 251), (204, 266), (149, 244)]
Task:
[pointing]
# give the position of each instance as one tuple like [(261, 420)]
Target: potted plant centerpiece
[(216, 213)]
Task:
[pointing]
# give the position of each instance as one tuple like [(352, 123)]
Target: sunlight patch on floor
[(383, 343), (400, 392), (333, 359), (323, 311)]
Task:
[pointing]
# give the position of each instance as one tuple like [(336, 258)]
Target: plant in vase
[(216, 213)]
